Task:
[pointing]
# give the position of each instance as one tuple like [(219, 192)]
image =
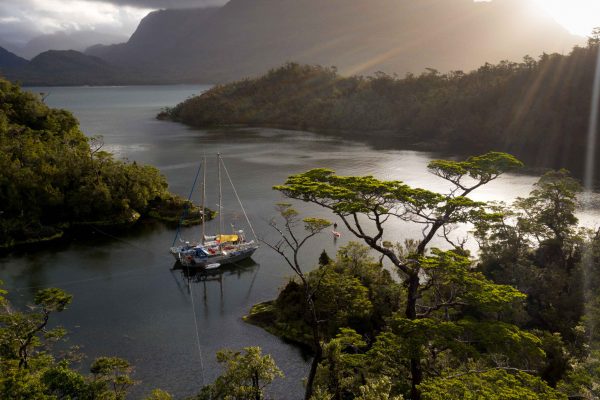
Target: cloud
[(156, 4), (21, 20)]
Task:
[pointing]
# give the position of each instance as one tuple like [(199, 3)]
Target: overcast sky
[(20, 20)]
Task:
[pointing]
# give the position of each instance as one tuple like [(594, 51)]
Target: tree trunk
[(417, 377), (310, 381), (411, 313), (316, 344), (256, 384), (411, 296)]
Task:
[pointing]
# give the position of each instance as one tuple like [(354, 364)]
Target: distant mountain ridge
[(67, 67), (78, 40), (245, 38), (10, 61)]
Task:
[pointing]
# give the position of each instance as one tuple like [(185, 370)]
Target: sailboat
[(212, 251)]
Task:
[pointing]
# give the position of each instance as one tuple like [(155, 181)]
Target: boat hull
[(232, 257)]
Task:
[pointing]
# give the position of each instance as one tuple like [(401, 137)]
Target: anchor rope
[(199, 347)]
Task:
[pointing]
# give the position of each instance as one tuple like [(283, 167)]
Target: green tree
[(25, 336), (534, 245), (112, 373), (288, 246), (351, 198), (492, 384), (30, 370), (245, 377), (54, 177)]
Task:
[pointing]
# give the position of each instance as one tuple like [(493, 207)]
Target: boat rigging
[(210, 252)]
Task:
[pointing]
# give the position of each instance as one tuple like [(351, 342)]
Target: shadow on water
[(184, 276), (196, 275), (89, 235)]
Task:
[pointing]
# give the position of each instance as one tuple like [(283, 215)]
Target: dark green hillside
[(536, 109), (9, 61), (51, 178)]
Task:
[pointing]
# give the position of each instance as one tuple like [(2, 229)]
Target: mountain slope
[(247, 37), (10, 61), (78, 40), (70, 67), (156, 34)]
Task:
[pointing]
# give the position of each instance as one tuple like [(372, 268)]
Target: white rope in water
[(191, 298), (197, 329), (239, 201), (124, 273)]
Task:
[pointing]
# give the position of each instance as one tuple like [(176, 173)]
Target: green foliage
[(245, 377), (158, 394), (493, 384), (342, 369), (454, 313), (324, 258), (534, 246), (515, 107), (353, 291), (29, 370), (583, 381), (54, 177), (450, 273), (23, 336), (550, 207), (377, 389), (113, 373)]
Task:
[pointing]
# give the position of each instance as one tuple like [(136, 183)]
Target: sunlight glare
[(577, 16)]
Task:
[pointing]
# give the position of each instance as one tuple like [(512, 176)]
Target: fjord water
[(127, 300)]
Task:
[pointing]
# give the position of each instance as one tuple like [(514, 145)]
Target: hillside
[(54, 178), (70, 67), (537, 109), (247, 37), (77, 40), (156, 34), (10, 61)]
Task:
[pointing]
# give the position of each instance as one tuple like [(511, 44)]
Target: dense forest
[(54, 177), (385, 319), (537, 110), (516, 320)]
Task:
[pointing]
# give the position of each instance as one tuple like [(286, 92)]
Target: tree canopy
[(518, 107), (54, 177)]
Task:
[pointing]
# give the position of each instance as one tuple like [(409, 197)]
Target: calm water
[(127, 300)]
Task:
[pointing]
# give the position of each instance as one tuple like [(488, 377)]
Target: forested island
[(54, 178), (537, 109)]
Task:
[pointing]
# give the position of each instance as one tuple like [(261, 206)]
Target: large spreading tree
[(449, 308)]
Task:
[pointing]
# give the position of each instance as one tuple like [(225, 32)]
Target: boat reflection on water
[(201, 275), (189, 276)]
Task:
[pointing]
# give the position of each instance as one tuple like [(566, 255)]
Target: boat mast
[(220, 198), (203, 209)]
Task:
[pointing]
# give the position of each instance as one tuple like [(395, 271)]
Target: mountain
[(78, 40), (156, 34), (70, 67), (247, 37), (10, 61)]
